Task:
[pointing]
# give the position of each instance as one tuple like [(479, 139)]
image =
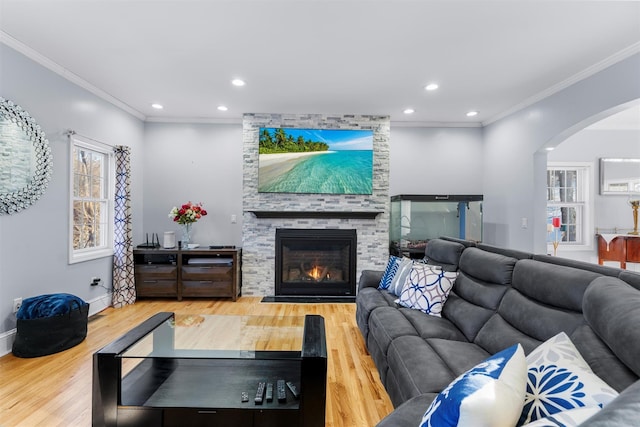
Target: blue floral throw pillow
[(488, 395), (389, 272), (559, 379), (427, 288)]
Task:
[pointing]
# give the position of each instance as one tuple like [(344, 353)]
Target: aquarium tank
[(417, 218)]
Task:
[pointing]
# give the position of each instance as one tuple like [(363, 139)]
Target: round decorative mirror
[(25, 159)]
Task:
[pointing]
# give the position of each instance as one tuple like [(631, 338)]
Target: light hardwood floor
[(55, 390)]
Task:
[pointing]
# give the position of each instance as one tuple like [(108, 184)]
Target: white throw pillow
[(570, 418), (427, 288), (559, 379), (488, 395), (399, 278)]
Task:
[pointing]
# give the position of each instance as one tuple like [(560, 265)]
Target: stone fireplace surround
[(263, 213)]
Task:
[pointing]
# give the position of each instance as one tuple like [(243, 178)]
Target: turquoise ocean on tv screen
[(339, 172)]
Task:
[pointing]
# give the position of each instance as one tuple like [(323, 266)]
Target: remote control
[(281, 391), (245, 396), (269, 395), (259, 394), (293, 389)]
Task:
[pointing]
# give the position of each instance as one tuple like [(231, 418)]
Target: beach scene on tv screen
[(323, 161)]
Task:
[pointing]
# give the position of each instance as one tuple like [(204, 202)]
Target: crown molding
[(417, 124), (195, 120), (587, 72), (66, 74)]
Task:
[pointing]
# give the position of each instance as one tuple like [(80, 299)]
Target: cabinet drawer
[(207, 272), (206, 288), (156, 271), (193, 417), (155, 288)]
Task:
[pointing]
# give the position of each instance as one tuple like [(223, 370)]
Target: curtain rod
[(71, 132)]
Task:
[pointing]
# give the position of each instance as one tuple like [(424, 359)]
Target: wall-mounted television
[(315, 161)]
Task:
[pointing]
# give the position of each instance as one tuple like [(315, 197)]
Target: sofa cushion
[(368, 299), (612, 309), (431, 326), (487, 266), (555, 285), (489, 394), (498, 333), (559, 379), (483, 279), (601, 359), (417, 366), (427, 288), (522, 319), (389, 272), (385, 325), (443, 253)]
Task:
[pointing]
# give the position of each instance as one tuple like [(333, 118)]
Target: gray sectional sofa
[(502, 297)]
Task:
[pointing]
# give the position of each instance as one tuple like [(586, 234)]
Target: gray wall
[(33, 243), (515, 161), (198, 163), (435, 160)]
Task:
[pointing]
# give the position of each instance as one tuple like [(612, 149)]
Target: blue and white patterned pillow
[(427, 288), (389, 272), (559, 379), (570, 418), (489, 394), (404, 268)]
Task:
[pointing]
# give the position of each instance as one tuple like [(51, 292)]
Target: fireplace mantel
[(317, 214)]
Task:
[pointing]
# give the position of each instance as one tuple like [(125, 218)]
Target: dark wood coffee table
[(193, 370)]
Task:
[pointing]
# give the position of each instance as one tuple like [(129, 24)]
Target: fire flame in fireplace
[(315, 272)]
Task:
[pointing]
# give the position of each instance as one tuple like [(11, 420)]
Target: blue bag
[(48, 306)]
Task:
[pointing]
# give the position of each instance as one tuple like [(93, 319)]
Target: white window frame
[(108, 179), (585, 193)]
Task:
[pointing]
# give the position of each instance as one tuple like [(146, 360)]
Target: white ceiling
[(323, 56)]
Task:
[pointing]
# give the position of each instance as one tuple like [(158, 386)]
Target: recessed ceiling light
[(238, 82), (157, 106), (409, 111), (472, 113), (222, 108), (431, 86)]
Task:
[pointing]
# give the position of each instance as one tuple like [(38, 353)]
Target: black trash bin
[(48, 324)]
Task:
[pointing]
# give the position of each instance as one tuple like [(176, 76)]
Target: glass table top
[(221, 336)]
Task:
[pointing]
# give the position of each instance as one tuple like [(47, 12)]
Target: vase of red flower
[(186, 215)]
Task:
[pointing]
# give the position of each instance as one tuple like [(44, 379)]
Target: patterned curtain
[(124, 290)]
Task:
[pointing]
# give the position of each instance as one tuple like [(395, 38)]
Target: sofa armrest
[(370, 279), (410, 413), (620, 412)]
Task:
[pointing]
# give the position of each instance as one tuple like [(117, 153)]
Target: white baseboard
[(96, 305)]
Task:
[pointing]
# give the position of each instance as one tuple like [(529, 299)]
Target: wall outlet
[(17, 303), (234, 219)]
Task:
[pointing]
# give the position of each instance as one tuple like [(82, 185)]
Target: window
[(568, 199), (91, 207)]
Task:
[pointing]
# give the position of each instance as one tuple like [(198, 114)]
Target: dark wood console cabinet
[(622, 248), (187, 273)]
